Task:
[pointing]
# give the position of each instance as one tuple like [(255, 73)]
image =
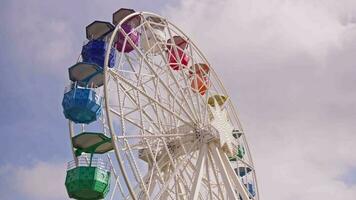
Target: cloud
[(49, 35), (290, 67), (350, 177), (40, 34), (43, 180)]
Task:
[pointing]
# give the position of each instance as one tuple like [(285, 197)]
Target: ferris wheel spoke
[(197, 96), (175, 82), (170, 118), (164, 163), (217, 180), (186, 82), (232, 174), (155, 167), (150, 178), (169, 90), (179, 166), (123, 130), (173, 187), (148, 64), (136, 170), (153, 136), (140, 109), (228, 184), (183, 181), (131, 121), (194, 105), (149, 120), (181, 187), (154, 100), (203, 99), (245, 163), (208, 179), (184, 187), (143, 86), (133, 110), (198, 173), (205, 180), (117, 185), (159, 127), (134, 100), (180, 103)]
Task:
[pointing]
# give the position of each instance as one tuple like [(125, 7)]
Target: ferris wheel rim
[(107, 106)]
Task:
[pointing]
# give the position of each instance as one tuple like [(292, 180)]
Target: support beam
[(199, 173), (229, 187), (239, 186)]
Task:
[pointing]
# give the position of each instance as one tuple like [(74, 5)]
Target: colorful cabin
[(128, 27), (122, 44), (89, 178), (94, 52), (239, 154), (86, 75), (242, 171), (89, 73), (199, 74), (87, 181), (177, 58), (82, 105), (251, 189), (98, 30), (217, 100), (200, 69), (120, 14), (153, 37), (236, 134), (90, 142), (240, 151), (200, 84)]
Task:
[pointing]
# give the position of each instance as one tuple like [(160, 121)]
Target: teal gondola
[(82, 105)]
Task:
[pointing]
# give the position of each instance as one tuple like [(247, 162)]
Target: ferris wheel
[(150, 119)]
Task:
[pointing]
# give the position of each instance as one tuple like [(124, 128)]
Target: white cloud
[(40, 37), (290, 67), (43, 180), (289, 64)]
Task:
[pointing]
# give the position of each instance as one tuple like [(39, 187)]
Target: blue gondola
[(89, 73), (86, 74), (82, 105), (251, 189), (242, 171), (94, 52), (98, 29)]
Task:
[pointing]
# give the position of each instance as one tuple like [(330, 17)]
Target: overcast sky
[(289, 66)]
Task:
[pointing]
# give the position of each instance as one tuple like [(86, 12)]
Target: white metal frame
[(150, 108)]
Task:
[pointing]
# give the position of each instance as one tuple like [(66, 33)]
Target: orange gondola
[(201, 69), (199, 74), (200, 84)]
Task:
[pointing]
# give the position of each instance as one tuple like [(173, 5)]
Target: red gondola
[(177, 58)]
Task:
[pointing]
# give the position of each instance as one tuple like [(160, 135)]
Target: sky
[(289, 66)]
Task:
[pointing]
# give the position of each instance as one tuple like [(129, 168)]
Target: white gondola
[(153, 37)]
